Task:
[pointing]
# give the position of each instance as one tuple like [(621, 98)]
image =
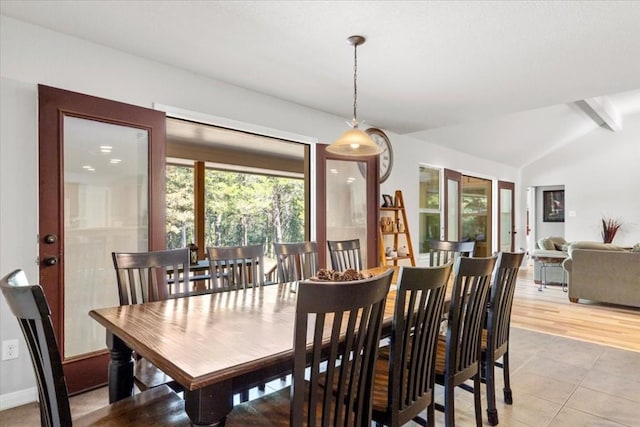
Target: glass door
[(506, 230), (101, 167)]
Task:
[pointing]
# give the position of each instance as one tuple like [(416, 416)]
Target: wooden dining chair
[(236, 267), (157, 406), (404, 379), (495, 338), (296, 261), (345, 254), (336, 335), (444, 251), (144, 277), (458, 352)]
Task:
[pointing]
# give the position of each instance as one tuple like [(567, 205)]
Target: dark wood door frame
[(505, 185), (373, 203)]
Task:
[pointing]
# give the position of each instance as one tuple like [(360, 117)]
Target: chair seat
[(155, 407)]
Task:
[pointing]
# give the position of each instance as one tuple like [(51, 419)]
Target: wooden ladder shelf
[(395, 233)]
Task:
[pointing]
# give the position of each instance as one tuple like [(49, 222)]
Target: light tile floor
[(556, 382)]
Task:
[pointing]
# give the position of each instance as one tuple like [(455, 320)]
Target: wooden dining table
[(213, 345)]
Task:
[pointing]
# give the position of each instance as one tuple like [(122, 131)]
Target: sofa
[(603, 272), (549, 247)]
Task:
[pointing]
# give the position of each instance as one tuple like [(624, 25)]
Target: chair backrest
[(236, 267), (500, 302), (296, 261), (29, 304), (443, 251), (151, 276), (416, 323), (345, 254), (472, 279), (352, 312)]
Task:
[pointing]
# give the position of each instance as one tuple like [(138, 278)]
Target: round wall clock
[(386, 157)]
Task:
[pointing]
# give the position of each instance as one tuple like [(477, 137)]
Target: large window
[(430, 206), (180, 206)]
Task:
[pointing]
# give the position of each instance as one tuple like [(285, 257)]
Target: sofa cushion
[(594, 246)]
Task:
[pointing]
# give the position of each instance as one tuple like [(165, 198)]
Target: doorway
[(476, 203)]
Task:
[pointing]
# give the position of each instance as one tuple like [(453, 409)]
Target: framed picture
[(387, 201), (553, 206)]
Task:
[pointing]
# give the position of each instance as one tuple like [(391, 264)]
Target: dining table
[(213, 345)]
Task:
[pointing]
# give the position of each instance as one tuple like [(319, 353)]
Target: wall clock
[(386, 157)]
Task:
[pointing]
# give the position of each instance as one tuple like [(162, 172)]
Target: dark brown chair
[(458, 353), (352, 313), (495, 338), (236, 267), (404, 379), (157, 406), (443, 251), (345, 254), (296, 261), (144, 277)]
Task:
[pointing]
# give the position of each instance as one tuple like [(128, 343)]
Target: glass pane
[(245, 209), (105, 210), (429, 188), (476, 193), (347, 203), (429, 229), (180, 210), (505, 219), (453, 193)]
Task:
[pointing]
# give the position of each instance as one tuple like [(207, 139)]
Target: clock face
[(386, 157)]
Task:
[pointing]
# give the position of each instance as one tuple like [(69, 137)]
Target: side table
[(548, 262)]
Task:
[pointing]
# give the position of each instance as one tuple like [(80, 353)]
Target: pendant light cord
[(355, 85)]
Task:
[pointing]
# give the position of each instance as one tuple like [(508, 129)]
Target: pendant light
[(354, 142)]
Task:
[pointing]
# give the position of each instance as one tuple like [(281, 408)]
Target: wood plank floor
[(549, 311)]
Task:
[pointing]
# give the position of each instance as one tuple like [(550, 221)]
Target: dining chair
[(236, 267), (444, 251), (495, 338), (143, 277), (157, 406), (404, 379), (458, 352), (336, 334), (296, 261), (345, 254)]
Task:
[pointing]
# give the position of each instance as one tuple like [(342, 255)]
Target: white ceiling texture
[(502, 80)]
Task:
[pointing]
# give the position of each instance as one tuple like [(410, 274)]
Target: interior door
[(101, 189), (506, 218), (453, 200), (348, 200)]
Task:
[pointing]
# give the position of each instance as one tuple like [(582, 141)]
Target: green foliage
[(240, 209)]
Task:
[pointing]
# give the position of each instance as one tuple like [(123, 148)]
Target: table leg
[(209, 405), (120, 369)]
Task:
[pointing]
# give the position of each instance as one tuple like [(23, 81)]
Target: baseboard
[(18, 398)]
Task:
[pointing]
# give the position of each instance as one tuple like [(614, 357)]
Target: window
[(180, 202), (429, 207)]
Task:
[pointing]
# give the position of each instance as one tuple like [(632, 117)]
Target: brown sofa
[(604, 273)]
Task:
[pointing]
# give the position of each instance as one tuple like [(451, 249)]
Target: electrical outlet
[(9, 349)]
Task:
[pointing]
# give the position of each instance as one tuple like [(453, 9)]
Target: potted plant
[(610, 227)]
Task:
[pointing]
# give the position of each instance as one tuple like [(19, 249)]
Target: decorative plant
[(610, 227)]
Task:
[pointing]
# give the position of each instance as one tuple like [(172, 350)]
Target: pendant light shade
[(355, 142)]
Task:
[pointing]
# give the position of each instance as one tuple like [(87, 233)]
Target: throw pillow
[(546, 244), (636, 248)]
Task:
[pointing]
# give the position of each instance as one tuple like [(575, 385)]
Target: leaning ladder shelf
[(399, 238)]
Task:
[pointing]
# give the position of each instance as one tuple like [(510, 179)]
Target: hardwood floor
[(549, 311)]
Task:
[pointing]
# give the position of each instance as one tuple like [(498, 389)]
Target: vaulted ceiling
[(502, 80)]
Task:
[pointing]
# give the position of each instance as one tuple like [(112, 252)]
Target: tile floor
[(556, 382)]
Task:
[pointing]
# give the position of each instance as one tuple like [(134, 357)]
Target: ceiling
[(496, 79)]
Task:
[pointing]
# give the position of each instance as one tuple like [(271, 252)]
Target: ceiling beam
[(602, 111)]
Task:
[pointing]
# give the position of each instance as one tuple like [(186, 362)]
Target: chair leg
[(508, 397), (244, 396), (492, 412), (449, 404), (476, 398)]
